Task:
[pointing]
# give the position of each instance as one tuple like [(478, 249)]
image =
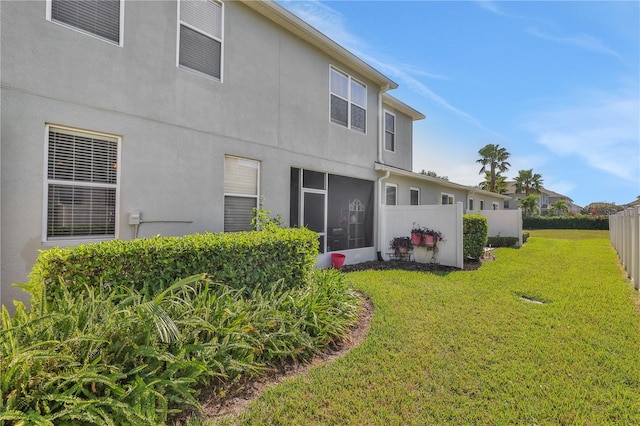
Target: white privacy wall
[(506, 223), (397, 221)]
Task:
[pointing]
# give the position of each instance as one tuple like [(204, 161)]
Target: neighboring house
[(132, 119), (545, 199), (403, 187)]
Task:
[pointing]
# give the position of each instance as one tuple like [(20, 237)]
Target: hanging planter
[(428, 240), (425, 237), (416, 238)]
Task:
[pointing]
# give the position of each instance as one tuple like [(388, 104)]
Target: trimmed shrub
[(242, 260), (566, 222), (475, 232), (502, 241)]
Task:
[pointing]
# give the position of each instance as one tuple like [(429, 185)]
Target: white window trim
[(325, 192), (80, 30), (411, 189), (495, 206), (453, 199), (390, 185), (45, 193), (395, 126), (349, 101), (221, 40), (481, 206), (471, 204), (235, 194)]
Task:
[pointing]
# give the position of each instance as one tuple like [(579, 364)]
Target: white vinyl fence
[(504, 223), (624, 231), (397, 221)]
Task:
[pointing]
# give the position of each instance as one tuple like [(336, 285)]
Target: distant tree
[(433, 174), (529, 205), (493, 160), (559, 207), (501, 184), (528, 183), (601, 208)]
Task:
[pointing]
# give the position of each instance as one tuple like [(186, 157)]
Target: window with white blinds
[(101, 18), (348, 101), (200, 36), (82, 183), (241, 191)]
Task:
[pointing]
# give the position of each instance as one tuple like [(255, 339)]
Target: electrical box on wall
[(134, 218)]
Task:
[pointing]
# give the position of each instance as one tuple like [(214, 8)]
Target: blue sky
[(557, 83)]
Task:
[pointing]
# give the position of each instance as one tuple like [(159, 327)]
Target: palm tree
[(528, 183), (494, 161), (529, 205), (501, 184), (559, 206)]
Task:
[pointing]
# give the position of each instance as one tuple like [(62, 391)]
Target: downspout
[(381, 123), (379, 243), (382, 178)]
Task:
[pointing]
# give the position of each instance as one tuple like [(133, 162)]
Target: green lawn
[(466, 348)]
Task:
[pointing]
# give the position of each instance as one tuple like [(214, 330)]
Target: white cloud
[(582, 41), (492, 7), (604, 134)]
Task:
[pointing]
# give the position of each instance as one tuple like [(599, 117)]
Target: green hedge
[(475, 231), (241, 260), (566, 222), (502, 241)]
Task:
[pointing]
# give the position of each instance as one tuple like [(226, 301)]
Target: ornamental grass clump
[(110, 355)]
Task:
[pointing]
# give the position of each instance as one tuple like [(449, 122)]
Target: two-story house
[(125, 119), (546, 198)]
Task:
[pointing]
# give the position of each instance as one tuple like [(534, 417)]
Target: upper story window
[(348, 101), (81, 184), (200, 36), (389, 131), (481, 204), (101, 18), (470, 204), (495, 206)]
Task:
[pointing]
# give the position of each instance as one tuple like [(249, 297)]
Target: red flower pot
[(337, 260)]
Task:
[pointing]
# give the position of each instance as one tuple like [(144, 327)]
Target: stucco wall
[(176, 126)]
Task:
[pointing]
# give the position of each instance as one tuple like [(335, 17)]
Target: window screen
[(201, 36), (348, 101), (81, 184), (97, 17)]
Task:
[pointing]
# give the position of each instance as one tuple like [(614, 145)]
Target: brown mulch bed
[(376, 265)]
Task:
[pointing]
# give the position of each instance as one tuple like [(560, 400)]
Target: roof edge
[(439, 181), (402, 107), (281, 16)]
